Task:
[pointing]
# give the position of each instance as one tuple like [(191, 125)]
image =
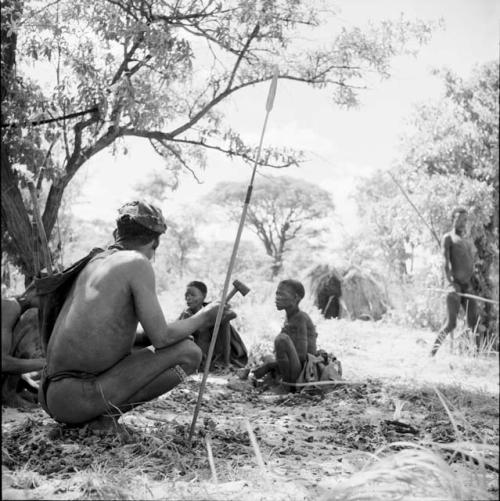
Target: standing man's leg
[(471, 308), (287, 358), (453, 307)]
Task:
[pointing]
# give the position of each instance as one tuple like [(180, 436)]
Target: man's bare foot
[(110, 424), (103, 423)]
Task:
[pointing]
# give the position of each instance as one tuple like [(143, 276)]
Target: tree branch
[(254, 33), (161, 136), (179, 158), (95, 109)]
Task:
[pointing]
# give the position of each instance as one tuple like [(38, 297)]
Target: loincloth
[(59, 376)]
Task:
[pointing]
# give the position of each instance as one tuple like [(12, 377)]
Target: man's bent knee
[(190, 358)]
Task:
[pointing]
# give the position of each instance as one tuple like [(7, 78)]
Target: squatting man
[(92, 373)]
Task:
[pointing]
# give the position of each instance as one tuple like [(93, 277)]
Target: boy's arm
[(447, 262), (301, 338), (311, 336)]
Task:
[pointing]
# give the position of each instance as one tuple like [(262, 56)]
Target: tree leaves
[(280, 210)]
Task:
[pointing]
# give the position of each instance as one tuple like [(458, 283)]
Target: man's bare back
[(97, 324)]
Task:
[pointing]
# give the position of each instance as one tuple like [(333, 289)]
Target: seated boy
[(195, 295), (229, 347), (296, 339)]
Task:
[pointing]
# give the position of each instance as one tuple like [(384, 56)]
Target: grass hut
[(349, 292)]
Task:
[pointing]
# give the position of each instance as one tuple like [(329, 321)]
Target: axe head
[(241, 287)]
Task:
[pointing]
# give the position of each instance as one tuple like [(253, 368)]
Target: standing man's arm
[(447, 261)]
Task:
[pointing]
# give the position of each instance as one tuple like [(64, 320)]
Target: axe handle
[(231, 294)]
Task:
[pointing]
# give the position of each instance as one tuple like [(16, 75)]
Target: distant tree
[(212, 258), (157, 70), (389, 217), (281, 209), (181, 238)]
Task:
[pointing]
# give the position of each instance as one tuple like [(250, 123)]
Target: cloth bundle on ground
[(53, 291), (319, 367)]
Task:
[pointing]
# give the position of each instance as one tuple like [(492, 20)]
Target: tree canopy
[(79, 76), (281, 209)]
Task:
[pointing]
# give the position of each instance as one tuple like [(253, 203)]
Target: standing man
[(92, 372), (459, 268)]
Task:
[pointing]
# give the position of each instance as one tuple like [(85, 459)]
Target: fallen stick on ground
[(322, 383), (211, 462), (255, 446)]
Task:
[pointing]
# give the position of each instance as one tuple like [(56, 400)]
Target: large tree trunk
[(15, 217), (15, 220)]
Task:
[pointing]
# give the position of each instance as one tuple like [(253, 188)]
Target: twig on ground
[(255, 446), (211, 461)]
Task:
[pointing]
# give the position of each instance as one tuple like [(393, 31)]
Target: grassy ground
[(407, 427)]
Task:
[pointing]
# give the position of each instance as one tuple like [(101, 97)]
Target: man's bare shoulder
[(299, 317), (447, 239), (128, 262), (129, 256)]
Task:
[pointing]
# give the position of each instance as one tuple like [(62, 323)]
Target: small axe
[(237, 287), (226, 330), (243, 290)]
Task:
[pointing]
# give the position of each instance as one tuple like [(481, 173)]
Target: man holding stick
[(459, 268), (92, 372)]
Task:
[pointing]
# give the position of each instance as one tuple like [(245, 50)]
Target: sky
[(341, 145)]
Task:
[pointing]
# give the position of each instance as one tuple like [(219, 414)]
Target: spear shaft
[(269, 106)]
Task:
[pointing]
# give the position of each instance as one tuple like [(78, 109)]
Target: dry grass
[(410, 474)]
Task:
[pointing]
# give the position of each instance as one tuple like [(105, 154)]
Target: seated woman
[(22, 358), (229, 348), (296, 339)]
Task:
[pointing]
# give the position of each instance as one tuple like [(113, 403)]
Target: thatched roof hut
[(349, 292)]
